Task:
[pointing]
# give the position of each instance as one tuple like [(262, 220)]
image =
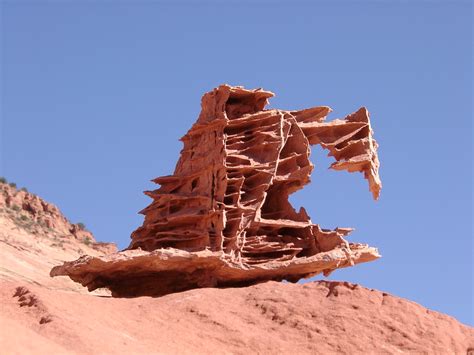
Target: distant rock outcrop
[(223, 218), (32, 213), (35, 236)]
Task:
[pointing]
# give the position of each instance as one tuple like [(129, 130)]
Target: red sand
[(42, 315), (270, 318)]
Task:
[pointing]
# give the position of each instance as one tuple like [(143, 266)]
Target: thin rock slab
[(133, 273)]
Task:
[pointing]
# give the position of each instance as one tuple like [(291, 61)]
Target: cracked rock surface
[(223, 218)]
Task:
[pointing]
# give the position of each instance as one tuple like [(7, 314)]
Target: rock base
[(133, 273)]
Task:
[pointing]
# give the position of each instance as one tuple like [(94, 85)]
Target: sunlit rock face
[(223, 217), (239, 165)]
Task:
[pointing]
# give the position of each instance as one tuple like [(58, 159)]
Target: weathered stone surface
[(141, 273), (35, 236), (33, 215), (223, 218), (316, 318)]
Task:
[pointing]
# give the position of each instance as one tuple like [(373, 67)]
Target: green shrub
[(81, 226), (16, 208), (24, 218), (87, 241), (12, 184), (24, 189), (60, 245), (3, 180)]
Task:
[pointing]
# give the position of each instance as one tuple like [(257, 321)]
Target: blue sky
[(95, 95)]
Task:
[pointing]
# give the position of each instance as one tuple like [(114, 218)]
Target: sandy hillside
[(35, 236), (41, 315)]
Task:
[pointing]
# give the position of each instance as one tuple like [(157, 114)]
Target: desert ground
[(44, 315)]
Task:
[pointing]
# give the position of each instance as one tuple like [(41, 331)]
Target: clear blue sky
[(95, 95)]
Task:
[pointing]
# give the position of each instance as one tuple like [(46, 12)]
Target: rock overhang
[(223, 218)]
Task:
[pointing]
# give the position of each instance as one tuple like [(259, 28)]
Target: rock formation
[(35, 236), (223, 218), (36, 216)]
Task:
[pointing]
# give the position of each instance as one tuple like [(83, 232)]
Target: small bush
[(87, 241), (16, 208), (3, 180), (24, 222), (81, 226), (28, 225), (24, 189), (12, 184)]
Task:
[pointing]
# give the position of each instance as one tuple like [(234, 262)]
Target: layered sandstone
[(35, 236), (223, 218), (21, 205), (36, 216)]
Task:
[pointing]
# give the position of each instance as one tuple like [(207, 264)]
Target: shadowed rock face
[(223, 218)]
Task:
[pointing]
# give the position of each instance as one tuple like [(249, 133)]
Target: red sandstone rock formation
[(36, 216), (223, 217)]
